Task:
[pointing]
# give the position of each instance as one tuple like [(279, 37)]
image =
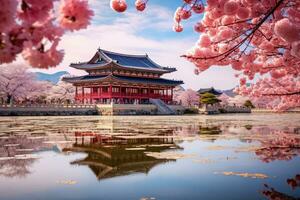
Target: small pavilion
[(209, 90)]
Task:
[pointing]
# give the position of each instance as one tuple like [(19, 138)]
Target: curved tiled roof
[(131, 60), (209, 90), (140, 62)]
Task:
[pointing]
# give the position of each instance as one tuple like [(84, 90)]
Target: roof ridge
[(123, 54)]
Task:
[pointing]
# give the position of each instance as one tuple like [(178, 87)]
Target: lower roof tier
[(113, 78)]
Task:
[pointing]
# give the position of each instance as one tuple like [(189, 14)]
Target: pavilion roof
[(104, 57), (209, 90), (91, 78)]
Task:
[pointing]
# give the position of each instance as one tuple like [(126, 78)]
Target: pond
[(242, 156)]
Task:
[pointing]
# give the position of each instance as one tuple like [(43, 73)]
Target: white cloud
[(123, 35)]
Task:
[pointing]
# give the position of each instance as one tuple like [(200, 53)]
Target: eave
[(113, 78)]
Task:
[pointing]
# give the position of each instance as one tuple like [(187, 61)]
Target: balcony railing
[(121, 95)]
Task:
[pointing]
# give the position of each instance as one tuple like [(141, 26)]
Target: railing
[(122, 95), (47, 106)]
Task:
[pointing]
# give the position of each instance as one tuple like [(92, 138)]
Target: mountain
[(53, 78)]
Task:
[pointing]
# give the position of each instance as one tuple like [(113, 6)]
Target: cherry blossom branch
[(228, 52)]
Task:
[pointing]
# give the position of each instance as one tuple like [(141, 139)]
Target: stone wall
[(49, 110), (217, 109), (100, 109), (261, 110), (127, 109)]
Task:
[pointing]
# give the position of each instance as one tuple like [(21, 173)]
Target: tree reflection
[(273, 194), (16, 154), (280, 145), (16, 167)]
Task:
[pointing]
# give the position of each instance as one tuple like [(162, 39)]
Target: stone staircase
[(162, 107)]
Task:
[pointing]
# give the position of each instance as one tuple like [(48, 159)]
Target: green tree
[(208, 98), (249, 104)]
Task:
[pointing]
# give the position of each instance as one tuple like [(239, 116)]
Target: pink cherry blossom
[(35, 10), (199, 27), (286, 30), (118, 5), (188, 1), (296, 49), (7, 14), (140, 5), (188, 98), (204, 40), (75, 14), (198, 8), (243, 13), (41, 58), (36, 22), (243, 81), (18, 83), (11, 44), (178, 28), (231, 7)]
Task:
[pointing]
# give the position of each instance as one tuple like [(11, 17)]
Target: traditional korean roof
[(209, 90), (103, 58), (91, 78)]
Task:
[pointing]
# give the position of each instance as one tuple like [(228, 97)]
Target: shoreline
[(92, 110)]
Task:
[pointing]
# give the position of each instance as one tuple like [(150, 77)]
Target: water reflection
[(111, 156), (17, 153), (114, 148), (272, 194)]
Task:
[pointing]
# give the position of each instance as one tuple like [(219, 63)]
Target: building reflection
[(110, 156)]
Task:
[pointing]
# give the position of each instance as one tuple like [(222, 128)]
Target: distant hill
[(53, 78)]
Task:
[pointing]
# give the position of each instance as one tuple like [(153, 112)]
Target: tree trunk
[(9, 99)]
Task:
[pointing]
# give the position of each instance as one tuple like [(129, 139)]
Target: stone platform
[(99, 109)]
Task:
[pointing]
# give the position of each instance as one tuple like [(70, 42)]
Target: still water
[(243, 156)]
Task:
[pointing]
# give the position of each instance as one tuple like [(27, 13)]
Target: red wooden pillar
[(120, 95), (101, 92), (110, 92), (76, 93), (82, 96), (149, 92), (91, 95), (172, 94)]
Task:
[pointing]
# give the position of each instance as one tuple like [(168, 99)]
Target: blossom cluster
[(121, 5), (32, 29), (254, 37)]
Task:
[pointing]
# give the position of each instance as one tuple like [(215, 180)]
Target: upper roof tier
[(103, 58)]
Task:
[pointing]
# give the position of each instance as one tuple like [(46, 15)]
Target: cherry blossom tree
[(62, 92), (224, 98), (16, 83), (33, 29), (238, 100), (252, 36), (188, 98)]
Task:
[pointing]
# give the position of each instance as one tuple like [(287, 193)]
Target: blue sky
[(139, 33)]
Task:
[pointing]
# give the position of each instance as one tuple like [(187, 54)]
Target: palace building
[(122, 79)]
